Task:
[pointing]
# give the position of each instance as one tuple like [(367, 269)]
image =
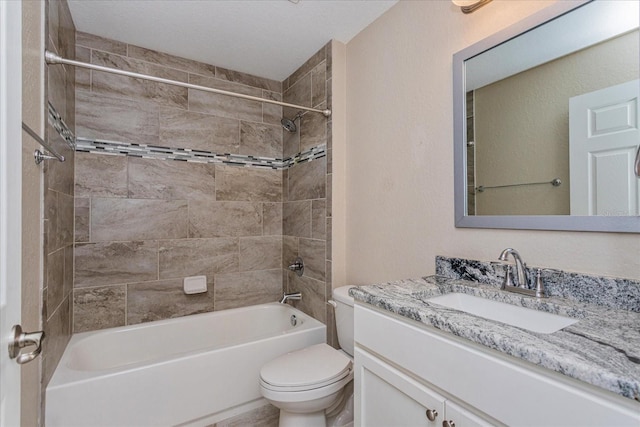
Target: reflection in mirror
[(548, 122), (522, 128)]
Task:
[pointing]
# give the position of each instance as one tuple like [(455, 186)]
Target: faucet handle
[(297, 266), (508, 279), (540, 292)]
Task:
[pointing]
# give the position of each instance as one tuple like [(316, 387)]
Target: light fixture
[(468, 6)]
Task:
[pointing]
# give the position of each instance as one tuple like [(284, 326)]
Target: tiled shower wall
[(306, 190), (58, 193), (142, 225)]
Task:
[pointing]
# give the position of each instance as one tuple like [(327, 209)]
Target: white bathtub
[(193, 370)]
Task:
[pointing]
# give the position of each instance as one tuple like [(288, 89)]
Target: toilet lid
[(317, 364)]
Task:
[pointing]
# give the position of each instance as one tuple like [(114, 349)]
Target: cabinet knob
[(449, 423), (432, 414)]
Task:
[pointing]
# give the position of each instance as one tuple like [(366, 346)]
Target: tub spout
[(291, 296)]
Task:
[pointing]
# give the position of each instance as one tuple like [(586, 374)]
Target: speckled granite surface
[(602, 349), (607, 291)]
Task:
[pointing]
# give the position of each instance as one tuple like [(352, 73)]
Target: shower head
[(290, 124)]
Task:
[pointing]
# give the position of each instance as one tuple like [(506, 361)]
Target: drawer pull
[(432, 414), (449, 423)]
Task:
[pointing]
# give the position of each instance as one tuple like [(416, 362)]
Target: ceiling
[(266, 38)]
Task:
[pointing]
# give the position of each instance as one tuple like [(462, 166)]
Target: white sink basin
[(526, 318)]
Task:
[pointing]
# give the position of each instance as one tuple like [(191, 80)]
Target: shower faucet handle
[(297, 266)]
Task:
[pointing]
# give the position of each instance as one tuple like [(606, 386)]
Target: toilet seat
[(311, 368), (285, 397)]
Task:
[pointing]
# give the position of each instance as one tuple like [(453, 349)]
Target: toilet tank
[(344, 317)]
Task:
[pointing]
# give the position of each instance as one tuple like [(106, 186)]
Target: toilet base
[(343, 416), (313, 419)]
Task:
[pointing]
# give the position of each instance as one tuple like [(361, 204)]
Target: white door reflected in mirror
[(603, 141)]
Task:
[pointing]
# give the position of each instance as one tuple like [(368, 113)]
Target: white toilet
[(309, 383)]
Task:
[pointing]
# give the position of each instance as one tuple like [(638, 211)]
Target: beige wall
[(399, 159), (530, 140), (32, 109)]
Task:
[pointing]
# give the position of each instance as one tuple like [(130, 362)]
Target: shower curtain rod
[(52, 58)]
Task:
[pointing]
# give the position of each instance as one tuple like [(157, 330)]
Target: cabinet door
[(457, 416), (387, 397)]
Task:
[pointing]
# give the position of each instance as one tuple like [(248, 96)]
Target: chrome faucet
[(521, 267), (297, 266), (291, 296), (522, 276)]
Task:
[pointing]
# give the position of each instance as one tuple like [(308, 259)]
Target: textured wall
[(142, 225), (400, 206), (58, 193)]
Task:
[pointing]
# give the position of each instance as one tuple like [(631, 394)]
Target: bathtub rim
[(64, 375)]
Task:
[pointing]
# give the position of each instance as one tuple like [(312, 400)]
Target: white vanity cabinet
[(404, 369), (388, 397)]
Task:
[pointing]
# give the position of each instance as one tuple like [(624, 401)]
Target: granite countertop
[(602, 348)]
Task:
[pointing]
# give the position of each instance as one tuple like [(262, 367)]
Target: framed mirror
[(546, 122)]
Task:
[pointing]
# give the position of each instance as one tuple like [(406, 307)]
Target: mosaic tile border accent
[(196, 156), (61, 127), (181, 154)]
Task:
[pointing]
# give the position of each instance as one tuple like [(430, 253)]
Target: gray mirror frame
[(620, 224)]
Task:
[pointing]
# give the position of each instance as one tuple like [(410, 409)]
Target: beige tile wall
[(58, 215), (142, 225), (306, 190)]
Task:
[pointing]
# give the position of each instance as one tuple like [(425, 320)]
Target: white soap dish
[(195, 285)]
